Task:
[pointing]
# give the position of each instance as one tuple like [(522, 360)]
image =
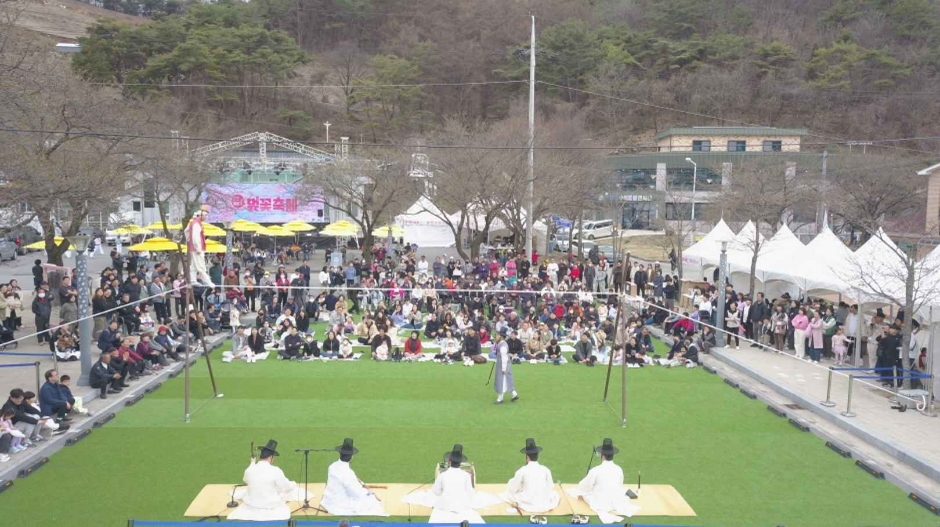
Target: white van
[(595, 229)]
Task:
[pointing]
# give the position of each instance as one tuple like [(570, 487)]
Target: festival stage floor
[(733, 462), (654, 500)]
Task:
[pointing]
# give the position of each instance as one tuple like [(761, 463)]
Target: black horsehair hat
[(608, 448), (531, 447), (269, 449), (347, 448), (456, 455)]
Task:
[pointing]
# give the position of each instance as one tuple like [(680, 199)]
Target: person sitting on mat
[(267, 490), (532, 488), (454, 492), (293, 344), (345, 494), (602, 488)]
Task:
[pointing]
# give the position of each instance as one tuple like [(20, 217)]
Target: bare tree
[(768, 193), (347, 65), (902, 278), (371, 192), (477, 183)]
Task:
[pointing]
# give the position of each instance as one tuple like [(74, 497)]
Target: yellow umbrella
[(382, 232), (299, 226), (41, 244), (244, 226), (340, 231), (213, 246), (156, 244), (158, 226), (212, 230), (275, 230), (132, 230)]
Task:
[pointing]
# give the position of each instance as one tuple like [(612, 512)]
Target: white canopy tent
[(425, 228), (828, 261), (695, 257)]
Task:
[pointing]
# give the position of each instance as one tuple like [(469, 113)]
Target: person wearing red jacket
[(136, 365), (413, 347)]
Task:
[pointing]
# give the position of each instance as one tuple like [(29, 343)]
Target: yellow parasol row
[(158, 244), (382, 232)]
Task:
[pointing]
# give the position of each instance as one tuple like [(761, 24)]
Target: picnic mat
[(654, 500)]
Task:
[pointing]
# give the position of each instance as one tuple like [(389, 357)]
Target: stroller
[(225, 315), (6, 338)]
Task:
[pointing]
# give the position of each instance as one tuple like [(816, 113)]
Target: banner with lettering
[(261, 203)]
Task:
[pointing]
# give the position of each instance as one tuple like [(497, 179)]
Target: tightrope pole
[(848, 405)]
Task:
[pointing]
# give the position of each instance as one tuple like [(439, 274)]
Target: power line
[(648, 146), (302, 86)]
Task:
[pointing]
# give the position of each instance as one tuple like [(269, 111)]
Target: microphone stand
[(232, 504), (306, 470), (590, 462)]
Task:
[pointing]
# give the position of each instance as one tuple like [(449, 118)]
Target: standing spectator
[(815, 337), (829, 329), (158, 292), (733, 324), (800, 324), (42, 309), (37, 273)]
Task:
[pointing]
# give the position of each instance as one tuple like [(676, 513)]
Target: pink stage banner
[(261, 203)]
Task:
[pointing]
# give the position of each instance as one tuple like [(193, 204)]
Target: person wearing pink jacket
[(800, 324), (815, 337)]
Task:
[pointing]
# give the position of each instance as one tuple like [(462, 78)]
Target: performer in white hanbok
[(505, 382), (196, 247), (268, 490), (603, 489), (345, 494), (532, 488), (455, 493)]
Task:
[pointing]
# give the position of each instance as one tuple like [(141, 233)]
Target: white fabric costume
[(532, 489), (196, 246), (345, 495), (454, 502), (266, 496), (602, 489)]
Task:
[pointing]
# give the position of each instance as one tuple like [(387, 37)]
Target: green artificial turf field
[(734, 462)]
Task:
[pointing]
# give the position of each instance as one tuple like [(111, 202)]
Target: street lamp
[(694, 177), (86, 325)]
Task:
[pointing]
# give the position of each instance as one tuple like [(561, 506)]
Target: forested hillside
[(860, 69)]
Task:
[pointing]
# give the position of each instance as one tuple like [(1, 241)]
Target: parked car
[(7, 249), (111, 238), (595, 229), (24, 236)]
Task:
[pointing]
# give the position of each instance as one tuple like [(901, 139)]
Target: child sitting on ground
[(18, 443)]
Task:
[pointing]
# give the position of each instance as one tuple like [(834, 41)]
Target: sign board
[(261, 203)]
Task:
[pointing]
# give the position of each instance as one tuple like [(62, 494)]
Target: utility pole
[(822, 214), (722, 281), (530, 219)]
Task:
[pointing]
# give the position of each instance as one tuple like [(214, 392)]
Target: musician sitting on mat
[(345, 494), (602, 488), (455, 493), (532, 488), (268, 490)]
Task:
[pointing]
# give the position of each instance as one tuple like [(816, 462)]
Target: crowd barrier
[(25, 365), (911, 376)]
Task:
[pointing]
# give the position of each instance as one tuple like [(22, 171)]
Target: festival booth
[(423, 227), (774, 270), (695, 258)]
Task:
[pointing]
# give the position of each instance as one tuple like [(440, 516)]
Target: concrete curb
[(833, 417), (115, 403)]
